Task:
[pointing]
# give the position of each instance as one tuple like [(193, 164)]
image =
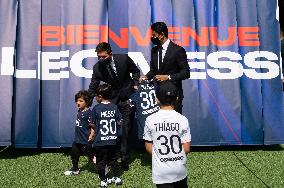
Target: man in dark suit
[(168, 61), (115, 70)]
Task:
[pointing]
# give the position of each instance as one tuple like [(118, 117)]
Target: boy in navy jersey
[(106, 118), (83, 132), (145, 104), (167, 138)]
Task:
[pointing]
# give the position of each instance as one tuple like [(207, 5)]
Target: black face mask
[(105, 61), (156, 41)]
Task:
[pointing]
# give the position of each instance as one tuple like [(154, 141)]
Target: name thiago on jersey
[(167, 126)]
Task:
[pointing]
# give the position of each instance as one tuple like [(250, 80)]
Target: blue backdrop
[(47, 53)]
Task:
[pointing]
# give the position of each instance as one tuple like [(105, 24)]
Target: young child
[(167, 138), (106, 117), (145, 104), (83, 132)]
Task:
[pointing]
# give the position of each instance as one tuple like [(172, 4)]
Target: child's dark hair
[(167, 94), (85, 95), (104, 90)]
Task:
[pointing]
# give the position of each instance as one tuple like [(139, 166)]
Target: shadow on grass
[(14, 153), (145, 158), (138, 152), (89, 167)]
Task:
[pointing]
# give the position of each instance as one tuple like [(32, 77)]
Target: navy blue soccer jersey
[(82, 128), (106, 117), (144, 100)]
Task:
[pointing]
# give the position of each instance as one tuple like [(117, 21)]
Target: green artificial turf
[(258, 166)]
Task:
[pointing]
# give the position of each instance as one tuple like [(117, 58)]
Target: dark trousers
[(125, 111), (79, 150), (179, 184), (106, 155)]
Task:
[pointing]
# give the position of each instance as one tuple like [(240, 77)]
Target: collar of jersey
[(84, 110), (105, 102)]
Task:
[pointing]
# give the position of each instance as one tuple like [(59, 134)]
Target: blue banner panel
[(27, 88), (273, 114), (251, 99), (8, 20)]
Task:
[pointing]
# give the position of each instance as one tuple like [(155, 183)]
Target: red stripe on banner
[(228, 124)]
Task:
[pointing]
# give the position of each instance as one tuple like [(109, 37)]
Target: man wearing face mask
[(115, 70), (168, 61)]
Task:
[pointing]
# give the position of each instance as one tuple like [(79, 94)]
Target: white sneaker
[(115, 180), (72, 171), (104, 183), (109, 181)]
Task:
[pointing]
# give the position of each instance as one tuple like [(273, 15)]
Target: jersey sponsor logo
[(166, 159), (108, 137), (151, 111)]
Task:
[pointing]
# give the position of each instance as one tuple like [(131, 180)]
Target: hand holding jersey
[(145, 104)]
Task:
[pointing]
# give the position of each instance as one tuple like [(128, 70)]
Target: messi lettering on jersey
[(106, 117)]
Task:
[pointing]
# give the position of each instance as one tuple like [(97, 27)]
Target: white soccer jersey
[(167, 129)]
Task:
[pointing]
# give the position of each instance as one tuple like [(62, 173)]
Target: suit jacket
[(123, 84), (174, 64)]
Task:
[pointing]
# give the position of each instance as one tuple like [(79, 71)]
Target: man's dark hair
[(104, 90), (85, 95), (160, 28), (167, 93), (103, 46)]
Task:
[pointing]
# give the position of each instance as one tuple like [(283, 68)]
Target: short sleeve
[(185, 132), (147, 131)]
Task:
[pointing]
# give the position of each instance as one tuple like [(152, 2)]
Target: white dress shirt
[(164, 50)]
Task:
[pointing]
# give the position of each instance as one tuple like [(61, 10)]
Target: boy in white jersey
[(167, 138)]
